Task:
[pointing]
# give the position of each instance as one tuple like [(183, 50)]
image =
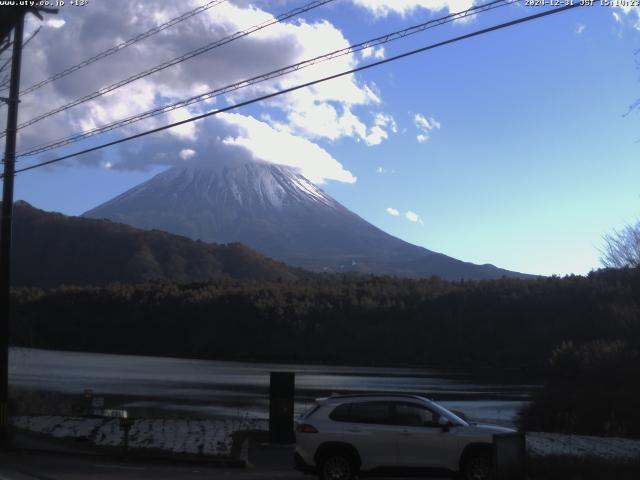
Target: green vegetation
[(592, 385), (52, 249), (365, 320), (591, 389)]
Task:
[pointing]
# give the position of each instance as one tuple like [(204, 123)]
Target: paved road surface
[(45, 466), (270, 463)]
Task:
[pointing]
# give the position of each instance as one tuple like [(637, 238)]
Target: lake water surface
[(205, 388)]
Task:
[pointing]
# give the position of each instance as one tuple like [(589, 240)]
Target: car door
[(420, 441), (367, 427)]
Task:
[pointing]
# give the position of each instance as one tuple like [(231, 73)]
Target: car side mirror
[(444, 423), (460, 414)]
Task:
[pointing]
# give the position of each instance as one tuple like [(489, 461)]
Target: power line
[(268, 76), (26, 42), (125, 44), (305, 85), (6, 45), (175, 61)]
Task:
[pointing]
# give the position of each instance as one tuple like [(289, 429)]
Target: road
[(49, 466), (268, 463)]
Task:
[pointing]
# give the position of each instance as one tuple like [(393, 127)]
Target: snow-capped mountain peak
[(277, 211)]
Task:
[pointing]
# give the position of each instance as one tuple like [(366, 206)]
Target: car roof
[(363, 397)]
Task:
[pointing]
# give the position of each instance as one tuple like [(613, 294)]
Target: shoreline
[(485, 373)]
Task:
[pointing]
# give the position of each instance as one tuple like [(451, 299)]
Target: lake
[(162, 386)]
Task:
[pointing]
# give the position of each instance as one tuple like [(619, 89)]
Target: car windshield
[(443, 412)]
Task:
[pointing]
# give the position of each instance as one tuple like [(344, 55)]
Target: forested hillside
[(52, 249), (374, 320)]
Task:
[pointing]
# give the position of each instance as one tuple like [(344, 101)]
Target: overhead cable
[(305, 85), (267, 76), (175, 61)]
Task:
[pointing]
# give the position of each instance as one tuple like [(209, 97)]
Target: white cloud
[(187, 153), (186, 131), (239, 138), (632, 14), (385, 120), (580, 29), (329, 111), (425, 125), (326, 110), (376, 136), (393, 212), (412, 216), (55, 22), (383, 123), (266, 143), (373, 52), (325, 121), (382, 8)]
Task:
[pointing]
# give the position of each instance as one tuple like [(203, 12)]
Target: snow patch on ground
[(53, 426), (177, 435), (214, 437), (609, 448)]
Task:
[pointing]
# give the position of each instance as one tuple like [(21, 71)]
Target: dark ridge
[(51, 249)]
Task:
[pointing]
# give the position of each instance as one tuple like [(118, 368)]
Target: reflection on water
[(219, 389)]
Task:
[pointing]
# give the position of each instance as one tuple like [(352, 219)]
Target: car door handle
[(405, 432), (354, 430)]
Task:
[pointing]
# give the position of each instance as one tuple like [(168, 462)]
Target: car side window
[(367, 412), (412, 415), (370, 412), (341, 413)]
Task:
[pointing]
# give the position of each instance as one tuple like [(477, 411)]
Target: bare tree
[(622, 248)]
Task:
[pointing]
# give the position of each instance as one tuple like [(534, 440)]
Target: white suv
[(344, 435)]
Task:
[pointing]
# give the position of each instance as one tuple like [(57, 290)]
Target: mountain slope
[(51, 249), (278, 212)]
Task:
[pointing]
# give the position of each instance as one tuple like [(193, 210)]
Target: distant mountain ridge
[(279, 213), (51, 249)]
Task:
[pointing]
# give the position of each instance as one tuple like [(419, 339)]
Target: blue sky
[(528, 161)]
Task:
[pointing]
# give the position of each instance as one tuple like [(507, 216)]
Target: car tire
[(337, 466), (477, 466)]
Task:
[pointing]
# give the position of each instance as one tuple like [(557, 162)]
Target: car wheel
[(478, 467), (336, 466)]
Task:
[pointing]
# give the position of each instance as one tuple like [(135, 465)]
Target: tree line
[(337, 319)]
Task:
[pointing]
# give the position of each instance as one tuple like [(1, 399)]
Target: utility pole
[(6, 224)]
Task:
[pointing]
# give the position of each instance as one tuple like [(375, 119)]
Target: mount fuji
[(280, 213)]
